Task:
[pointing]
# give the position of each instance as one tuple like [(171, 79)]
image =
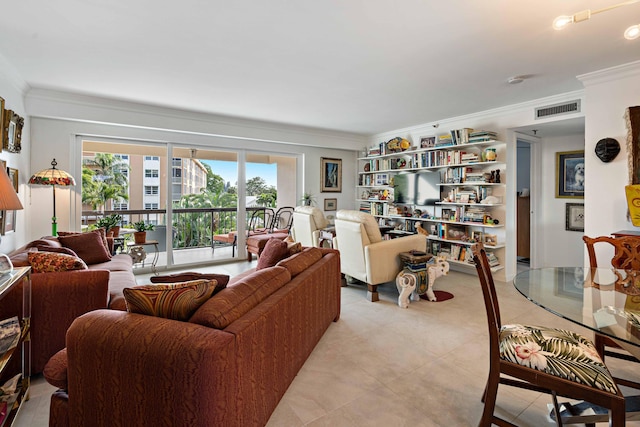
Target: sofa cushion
[(222, 279), (50, 243), (89, 246), (55, 371), (49, 262), (236, 300), (56, 250), (118, 281), (274, 251), (119, 262), (299, 262), (100, 231), (176, 301)]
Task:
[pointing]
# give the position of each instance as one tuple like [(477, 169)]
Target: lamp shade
[(9, 200), (52, 176)]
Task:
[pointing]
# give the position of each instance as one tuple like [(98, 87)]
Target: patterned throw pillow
[(177, 301), (274, 251), (89, 246), (49, 262)]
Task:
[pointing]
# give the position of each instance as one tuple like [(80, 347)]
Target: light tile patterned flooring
[(381, 365)]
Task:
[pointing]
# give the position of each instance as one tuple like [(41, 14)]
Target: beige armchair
[(307, 223), (364, 255)]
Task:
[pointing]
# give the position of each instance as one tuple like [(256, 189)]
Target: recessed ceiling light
[(515, 80)]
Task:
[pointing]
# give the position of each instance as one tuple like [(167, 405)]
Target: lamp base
[(54, 227)]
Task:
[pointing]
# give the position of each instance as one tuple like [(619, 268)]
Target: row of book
[(465, 136), (465, 214), (460, 253)]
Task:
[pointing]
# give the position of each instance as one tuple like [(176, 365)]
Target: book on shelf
[(482, 136), (9, 334)]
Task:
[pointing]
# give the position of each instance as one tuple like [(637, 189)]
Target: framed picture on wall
[(330, 204), (574, 217), (331, 175), (570, 174), (13, 176)]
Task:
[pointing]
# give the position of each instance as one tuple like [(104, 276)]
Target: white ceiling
[(363, 66)]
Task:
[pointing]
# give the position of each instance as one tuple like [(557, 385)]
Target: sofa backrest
[(240, 297)]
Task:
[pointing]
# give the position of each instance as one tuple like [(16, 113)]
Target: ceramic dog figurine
[(406, 284), (438, 268)]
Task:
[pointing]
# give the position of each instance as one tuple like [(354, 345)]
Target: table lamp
[(53, 177), (9, 201)]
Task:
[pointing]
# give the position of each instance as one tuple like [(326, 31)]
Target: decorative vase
[(139, 237), (490, 154), (115, 231)]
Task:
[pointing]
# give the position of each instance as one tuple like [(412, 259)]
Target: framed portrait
[(427, 141), (331, 175), (574, 217), (12, 132), (13, 176), (477, 236), (570, 174), (491, 240), (8, 222), (330, 204)]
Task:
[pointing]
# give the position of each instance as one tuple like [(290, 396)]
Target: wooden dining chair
[(553, 361), (626, 256)]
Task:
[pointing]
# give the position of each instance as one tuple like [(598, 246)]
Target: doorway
[(523, 205)]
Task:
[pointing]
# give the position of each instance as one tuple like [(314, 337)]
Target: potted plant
[(308, 199), (110, 223), (141, 227)]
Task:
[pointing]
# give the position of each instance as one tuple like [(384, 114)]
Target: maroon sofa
[(57, 299), (229, 365)]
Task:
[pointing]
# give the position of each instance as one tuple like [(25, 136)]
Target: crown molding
[(618, 72)]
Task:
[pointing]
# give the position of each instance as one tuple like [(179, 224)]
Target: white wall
[(12, 89), (609, 93), (559, 246)]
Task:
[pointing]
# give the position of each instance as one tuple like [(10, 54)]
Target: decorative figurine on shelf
[(492, 179), (497, 181), (490, 154)]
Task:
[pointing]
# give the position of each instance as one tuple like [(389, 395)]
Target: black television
[(420, 189)]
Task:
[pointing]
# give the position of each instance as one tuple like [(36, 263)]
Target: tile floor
[(381, 365)]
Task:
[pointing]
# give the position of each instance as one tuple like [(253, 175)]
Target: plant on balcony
[(110, 223), (141, 227)]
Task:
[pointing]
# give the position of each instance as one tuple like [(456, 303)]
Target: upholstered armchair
[(364, 255), (307, 223)]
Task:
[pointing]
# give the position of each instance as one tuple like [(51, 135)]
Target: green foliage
[(142, 226), (104, 181), (109, 221)]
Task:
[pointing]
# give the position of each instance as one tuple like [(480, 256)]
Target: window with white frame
[(151, 173), (150, 206), (151, 190)]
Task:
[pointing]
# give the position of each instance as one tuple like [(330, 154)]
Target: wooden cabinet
[(524, 227)]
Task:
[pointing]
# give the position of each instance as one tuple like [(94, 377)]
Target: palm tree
[(104, 180)]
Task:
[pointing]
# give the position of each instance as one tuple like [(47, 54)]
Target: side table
[(8, 282), (325, 239), (139, 248)]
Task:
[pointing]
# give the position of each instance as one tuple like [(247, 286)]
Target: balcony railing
[(192, 227)]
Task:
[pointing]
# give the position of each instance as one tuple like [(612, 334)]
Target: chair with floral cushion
[(553, 361), (626, 256)]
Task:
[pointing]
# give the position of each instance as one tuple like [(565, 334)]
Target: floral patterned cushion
[(557, 352), (176, 301), (49, 262)]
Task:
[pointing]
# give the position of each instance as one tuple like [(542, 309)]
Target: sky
[(229, 171)]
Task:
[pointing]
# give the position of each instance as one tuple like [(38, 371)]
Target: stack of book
[(475, 177), (461, 136), (482, 136), (444, 140), (9, 334), (469, 157), (493, 259)]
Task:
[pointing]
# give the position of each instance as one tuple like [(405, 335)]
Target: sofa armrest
[(381, 255), (56, 300), (132, 369)]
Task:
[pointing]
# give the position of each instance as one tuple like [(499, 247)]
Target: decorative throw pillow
[(176, 301), (293, 248), (274, 251), (49, 262), (53, 249), (99, 231), (221, 279), (89, 246)]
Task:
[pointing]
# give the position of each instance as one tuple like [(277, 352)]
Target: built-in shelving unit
[(453, 188)]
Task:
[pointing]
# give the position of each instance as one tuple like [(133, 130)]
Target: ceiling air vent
[(558, 109)]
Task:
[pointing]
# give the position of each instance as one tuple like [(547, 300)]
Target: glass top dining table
[(603, 300)]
